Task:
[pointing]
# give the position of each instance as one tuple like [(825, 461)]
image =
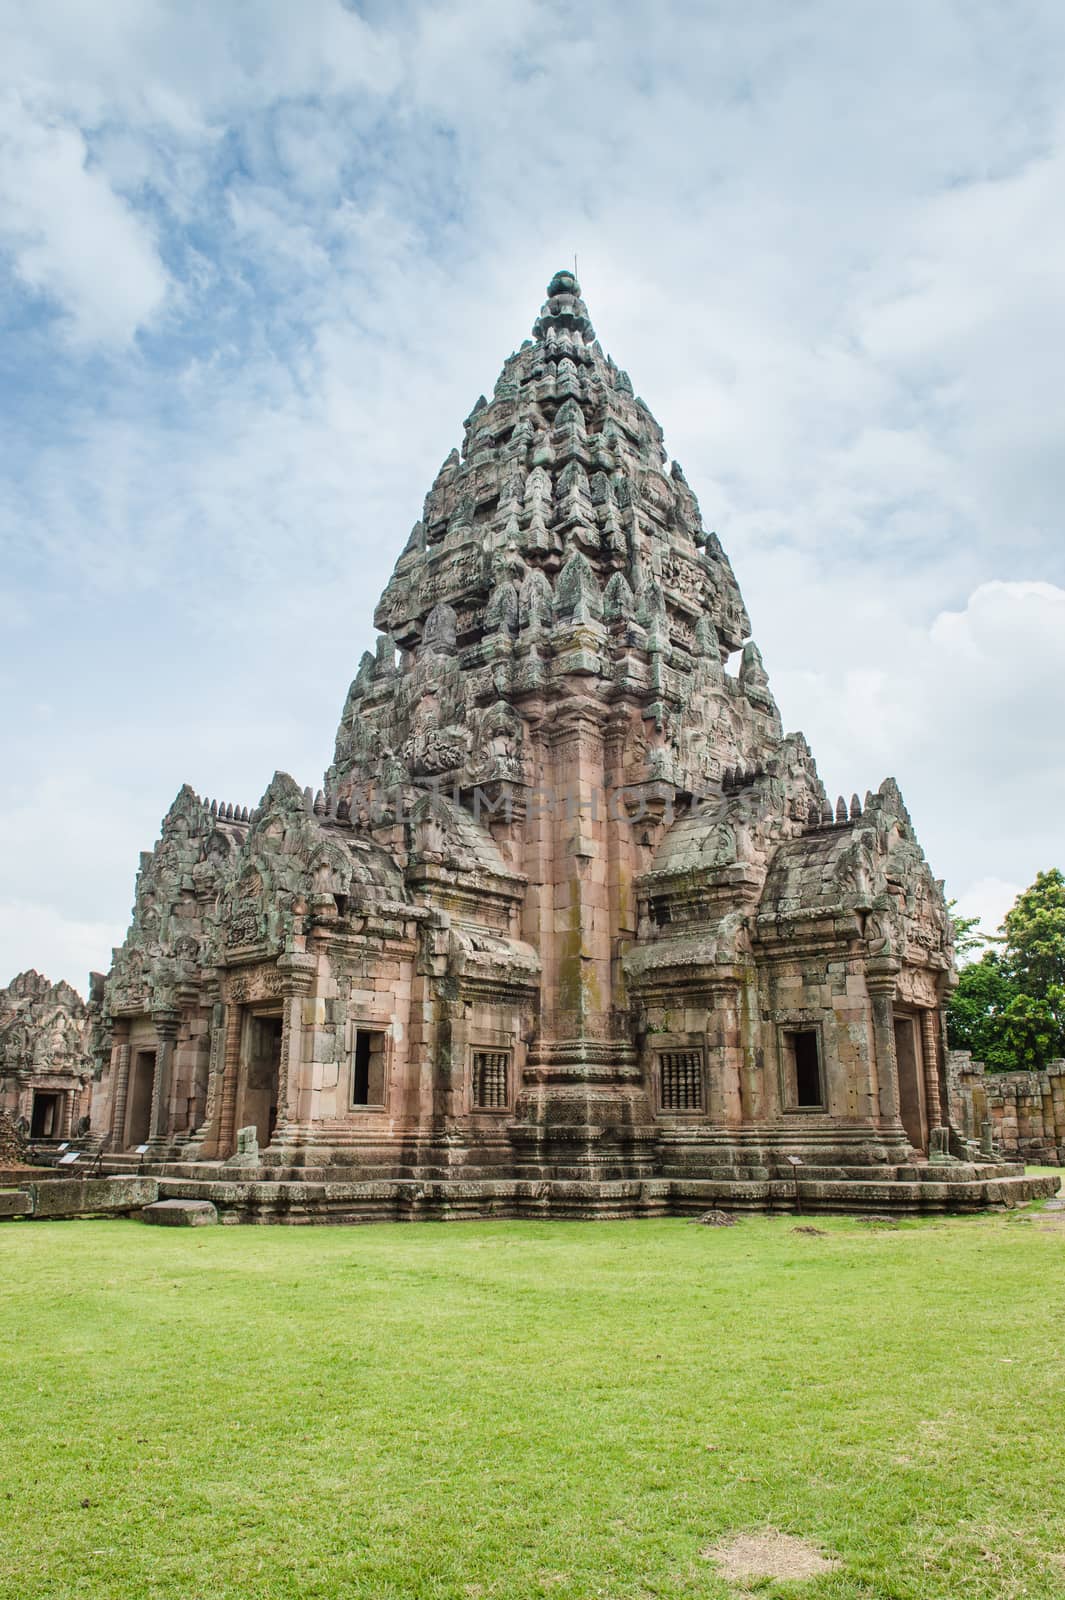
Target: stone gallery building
[(45, 1059), (572, 923)]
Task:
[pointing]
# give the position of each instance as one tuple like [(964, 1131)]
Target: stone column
[(200, 1085), (215, 1062), (577, 951), (24, 1108), (204, 1142), (66, 1113), (584, 1101), (730, 1085), (189, 1080), (621, 865), (120, 1082), (881, 977), (227, 1135), (933, 1102), (166, 1024), (298, 971)]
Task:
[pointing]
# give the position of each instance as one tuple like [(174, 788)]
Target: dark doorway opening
[(808, 1069), (44, 1118), (262, 1073), (807, 1085), (142, 1083), (368, 1068), (911, 1082)]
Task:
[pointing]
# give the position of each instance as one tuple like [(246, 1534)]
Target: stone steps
[(241, 1199), (343, 1172)]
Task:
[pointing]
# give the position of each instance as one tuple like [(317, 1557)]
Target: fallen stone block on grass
[(180, 1213), (13, 1203)]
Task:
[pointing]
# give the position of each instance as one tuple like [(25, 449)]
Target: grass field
[(521, 1410)]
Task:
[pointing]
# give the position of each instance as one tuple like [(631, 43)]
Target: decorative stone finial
[(563, 310)]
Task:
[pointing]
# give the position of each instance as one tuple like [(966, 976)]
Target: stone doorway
[(911, 1081), (257, 1102), (45, 1115), (141, 1085)]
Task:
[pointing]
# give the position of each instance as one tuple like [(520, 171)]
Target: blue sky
[(258, 261)]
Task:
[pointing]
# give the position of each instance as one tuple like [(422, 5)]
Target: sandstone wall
[(1026, 1109)]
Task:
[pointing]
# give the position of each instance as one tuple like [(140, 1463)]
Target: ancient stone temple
[(45, 1059), (571, 924)]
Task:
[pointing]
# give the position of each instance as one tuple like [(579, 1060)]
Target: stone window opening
[(491, 1080), (805, 1083), (680, 1080), (368, 1069)]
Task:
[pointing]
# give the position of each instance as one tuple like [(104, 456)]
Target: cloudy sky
[(258, 260)]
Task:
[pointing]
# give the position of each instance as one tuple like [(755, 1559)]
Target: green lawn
[(521, 1409)]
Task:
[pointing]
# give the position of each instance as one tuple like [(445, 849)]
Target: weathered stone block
[(180, 1213), (90, 1197), (15, 1203)]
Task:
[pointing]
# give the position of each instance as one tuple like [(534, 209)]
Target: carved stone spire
[(561, 510), (563, 311)]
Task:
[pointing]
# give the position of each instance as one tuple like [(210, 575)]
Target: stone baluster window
[(680, 1075), (491, 1080)]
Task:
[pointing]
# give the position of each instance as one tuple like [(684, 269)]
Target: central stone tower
[(552, 662), (571, 927)]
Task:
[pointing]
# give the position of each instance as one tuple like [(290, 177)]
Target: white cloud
[(69, 235), (965, 711), (989, 899), (826, 245), (68, 949)]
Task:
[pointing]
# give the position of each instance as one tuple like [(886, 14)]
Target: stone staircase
[(335, 1195)]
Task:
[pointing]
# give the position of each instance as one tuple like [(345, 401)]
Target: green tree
[(1009, 1006), (1035, 944), (968, 937), (974, 1021), (1029, 1033)]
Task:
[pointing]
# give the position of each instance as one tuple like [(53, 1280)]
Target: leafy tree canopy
[(968, 936), (1009, 1006)]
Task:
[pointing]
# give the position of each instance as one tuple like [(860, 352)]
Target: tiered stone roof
[(559, 542)]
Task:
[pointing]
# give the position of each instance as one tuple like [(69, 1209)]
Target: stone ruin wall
[(1026, 1109), (12, 1144), (45, 1049)]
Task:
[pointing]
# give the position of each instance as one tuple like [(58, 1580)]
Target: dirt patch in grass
[(769, 1554)]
